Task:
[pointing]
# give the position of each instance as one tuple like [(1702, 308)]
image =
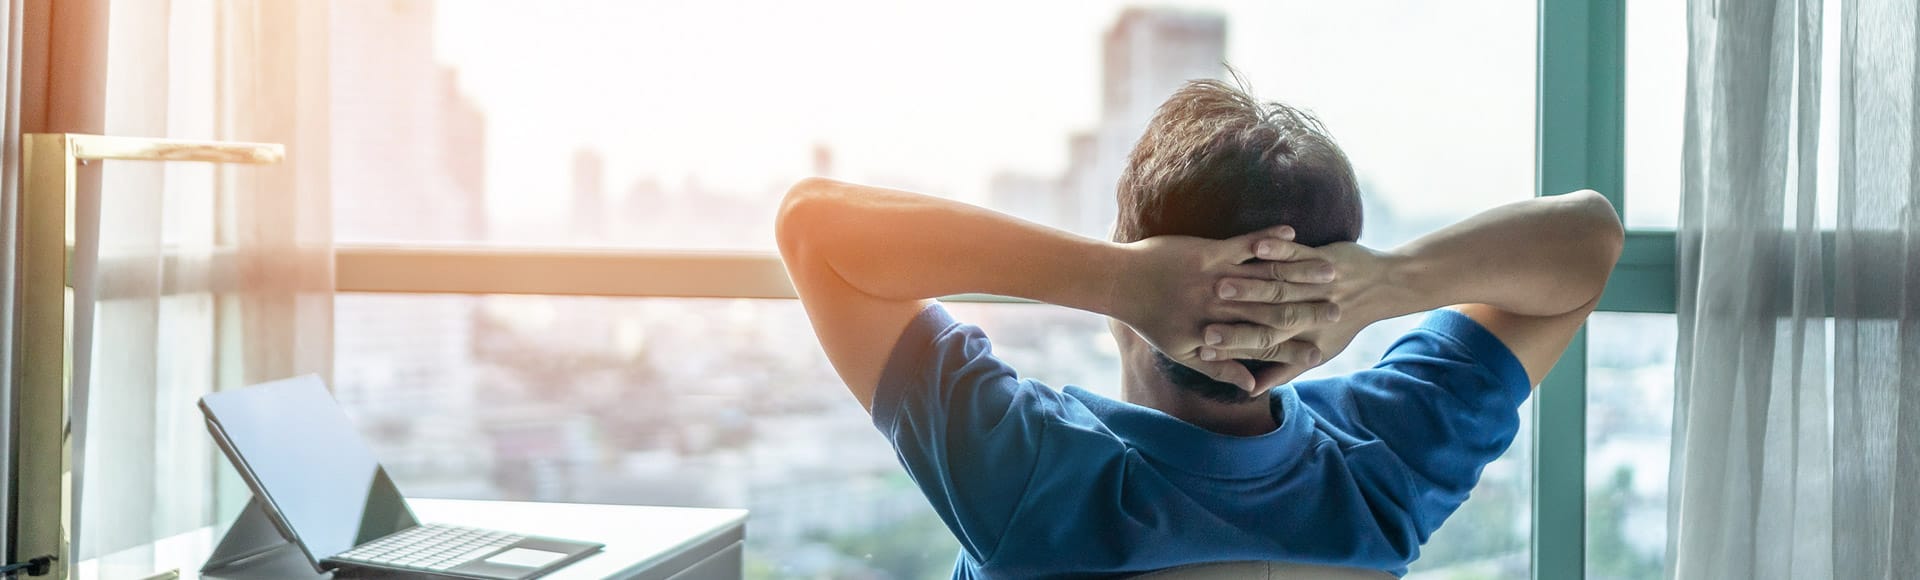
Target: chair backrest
[(1263, 571)]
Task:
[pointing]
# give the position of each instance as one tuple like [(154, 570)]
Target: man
[(1232, 269)]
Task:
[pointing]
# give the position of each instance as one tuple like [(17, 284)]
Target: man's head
[(1216, 163)]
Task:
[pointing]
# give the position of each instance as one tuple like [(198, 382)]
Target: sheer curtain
[(1796, 448), (208, 277)]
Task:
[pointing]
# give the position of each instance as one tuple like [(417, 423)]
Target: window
[(1488, 536), (1655, 106), (669, 127), (1629, 434), (656, 401)]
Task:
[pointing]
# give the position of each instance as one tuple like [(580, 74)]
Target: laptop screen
[(290, 440)]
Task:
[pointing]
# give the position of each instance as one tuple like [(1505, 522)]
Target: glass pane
[(1656, 104), (681, 125), (730, 403), (642, 401), (1490, 536), (1656, 110), (1629, 433)]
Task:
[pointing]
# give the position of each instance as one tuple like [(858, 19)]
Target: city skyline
[(743, 119), (1147, 54)]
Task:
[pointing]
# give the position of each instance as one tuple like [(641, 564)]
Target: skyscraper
[(822, 160), (1147, 55), (407, 146), (589, 201), (408, 152)]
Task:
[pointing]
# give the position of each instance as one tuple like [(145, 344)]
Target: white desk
[(643, 542)]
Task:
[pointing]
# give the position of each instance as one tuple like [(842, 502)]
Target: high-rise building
[(463, 155), (408, 148), (1082, 185), (408, 154), (589, 201), (822, 160), (1147, 55)]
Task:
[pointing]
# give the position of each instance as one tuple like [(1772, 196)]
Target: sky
[(1433, 101)]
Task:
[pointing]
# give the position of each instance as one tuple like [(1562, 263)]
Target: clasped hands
[(1260, 297)]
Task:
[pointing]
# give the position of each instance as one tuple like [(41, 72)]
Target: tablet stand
[(252, 534)]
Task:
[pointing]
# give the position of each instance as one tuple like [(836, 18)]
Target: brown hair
[(1215, 163)]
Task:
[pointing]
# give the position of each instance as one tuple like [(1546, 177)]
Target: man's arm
[(865, 260), (1528, 271)]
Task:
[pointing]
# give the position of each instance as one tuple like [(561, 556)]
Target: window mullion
[(1581, 123)]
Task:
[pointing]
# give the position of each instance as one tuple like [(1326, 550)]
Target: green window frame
[(1580, 144)]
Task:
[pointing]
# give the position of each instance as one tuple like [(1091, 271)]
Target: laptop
[(322, 487)]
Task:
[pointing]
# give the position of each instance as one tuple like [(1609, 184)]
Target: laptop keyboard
[(430, 547)]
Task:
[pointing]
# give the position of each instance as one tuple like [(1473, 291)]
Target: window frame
[(1581, 110)]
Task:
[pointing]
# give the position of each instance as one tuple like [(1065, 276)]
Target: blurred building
[(692, 215), (408, 162), (822, 160), (1147, 55), (589, 201), (408, 166), (1083, 184), (577, 324), (463, 158)]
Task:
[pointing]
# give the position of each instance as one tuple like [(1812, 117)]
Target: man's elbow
[(1600, 232), (801, 213), (1602, 225)]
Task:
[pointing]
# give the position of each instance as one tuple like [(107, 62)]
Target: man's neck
[(1238, 420)]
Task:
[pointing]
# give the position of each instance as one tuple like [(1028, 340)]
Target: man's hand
[(1529, 272), (1174, 288), (1352, 281)]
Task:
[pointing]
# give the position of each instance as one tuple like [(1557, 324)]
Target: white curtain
[(206, 277), (1796, 448)]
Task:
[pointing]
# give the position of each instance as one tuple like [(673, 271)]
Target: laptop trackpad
[(526, 557)]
